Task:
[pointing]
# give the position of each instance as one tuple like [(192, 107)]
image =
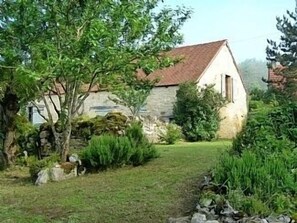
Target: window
[(103, 110), (30, 114), (229, 88), (33, 115)]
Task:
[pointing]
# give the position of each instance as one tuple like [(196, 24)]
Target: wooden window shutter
[(233, 89), (223, 86)]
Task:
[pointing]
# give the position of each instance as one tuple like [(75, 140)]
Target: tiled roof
[(194, 61), (274, 77)]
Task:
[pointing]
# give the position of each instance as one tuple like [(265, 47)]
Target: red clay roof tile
[(195, 59)]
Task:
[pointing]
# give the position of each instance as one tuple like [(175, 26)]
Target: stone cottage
[(207, 63)]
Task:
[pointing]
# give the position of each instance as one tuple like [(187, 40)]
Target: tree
[(85, 41), (253, 71), (197, 111), (282, 56), (132, 93), (17, 31)]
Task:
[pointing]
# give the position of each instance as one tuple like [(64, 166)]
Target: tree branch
[(39, 111), (7, 67), (54, 105)]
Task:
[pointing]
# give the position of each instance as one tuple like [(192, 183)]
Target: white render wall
[(233, 114)]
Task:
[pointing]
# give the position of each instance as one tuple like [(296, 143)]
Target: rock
[(44, 134), (272, 219), (74, 159), (228, 210), (212, 221), (284, 219), (209, 212), (81, 170), (43, 177), (205, 202), (64, 171), (179, 220), (198, 218), (152, 127), (228, 220)]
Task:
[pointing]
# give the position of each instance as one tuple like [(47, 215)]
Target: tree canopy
[(282, 56), (80, 43)]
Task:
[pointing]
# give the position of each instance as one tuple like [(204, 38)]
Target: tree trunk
[(10, 107), (62, 142), (66, 144), (10, 146)]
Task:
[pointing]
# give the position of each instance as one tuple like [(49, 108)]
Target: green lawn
[(151, 193)]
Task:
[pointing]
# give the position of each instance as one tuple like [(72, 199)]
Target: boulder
[(198, 218), (152, 127), (43, 177), (58, 173)]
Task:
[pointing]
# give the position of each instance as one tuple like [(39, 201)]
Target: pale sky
[(246, 24)]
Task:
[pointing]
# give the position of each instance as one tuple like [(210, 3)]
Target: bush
[(113, 151), (84, 127), (197, 111), (172, 134), (26, 135), (262, 163), (107, 151), (144, 150), (35, 165)]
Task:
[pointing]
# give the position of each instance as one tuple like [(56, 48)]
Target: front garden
[(164, 187)]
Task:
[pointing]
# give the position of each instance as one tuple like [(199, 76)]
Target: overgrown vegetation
[(107, 151), (172, 134), (85, 127), (261, 168), (197, 111), (35, 165)]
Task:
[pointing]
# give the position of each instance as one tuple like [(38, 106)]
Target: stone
[(209, 212), (212, 221), (228, 220), (152, 127), (272, 219), (228, 210), (205, 202), (198, 218), (43, 177), (58, 173), (179, 220), (44, 134), (74, 159), (284, 219)]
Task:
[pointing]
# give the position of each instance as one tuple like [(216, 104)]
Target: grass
[(164, 187)]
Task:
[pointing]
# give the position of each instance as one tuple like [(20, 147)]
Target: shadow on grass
[(189, 194), (15, 176)]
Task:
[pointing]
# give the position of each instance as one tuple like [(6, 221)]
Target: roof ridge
[(201, 44)]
